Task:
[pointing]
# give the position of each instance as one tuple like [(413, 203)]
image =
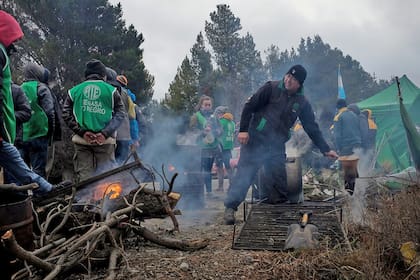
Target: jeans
[(254, 155), (11, 161), (35, 153), (122, 151)]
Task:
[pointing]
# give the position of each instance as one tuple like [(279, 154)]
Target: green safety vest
[(227, 137), (202, 141), (37, 126), (9, 120), (93, 103)]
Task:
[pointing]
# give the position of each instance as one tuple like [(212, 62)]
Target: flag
[(341, 92)]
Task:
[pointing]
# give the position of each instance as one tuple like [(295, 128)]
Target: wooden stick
[(182, 245), (13, 247), (16, 188)]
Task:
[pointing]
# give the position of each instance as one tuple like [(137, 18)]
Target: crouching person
[(93, 110)]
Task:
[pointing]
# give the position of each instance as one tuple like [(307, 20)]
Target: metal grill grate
[(266, 225)]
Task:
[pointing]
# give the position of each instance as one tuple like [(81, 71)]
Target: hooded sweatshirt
[(10, 32)]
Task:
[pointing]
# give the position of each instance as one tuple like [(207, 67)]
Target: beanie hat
[(95, 66), (220, 110), (299, 72), (122, 79), (341, 103)]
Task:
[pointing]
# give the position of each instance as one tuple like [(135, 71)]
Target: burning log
[(72, 229)]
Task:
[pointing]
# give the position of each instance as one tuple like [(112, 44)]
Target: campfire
[(109, 190), (76, 226)]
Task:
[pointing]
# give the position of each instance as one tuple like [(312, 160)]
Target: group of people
[(216, 139), (101, 112)]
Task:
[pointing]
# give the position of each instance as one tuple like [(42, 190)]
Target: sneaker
[(229, 216)]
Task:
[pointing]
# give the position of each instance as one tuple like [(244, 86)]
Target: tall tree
[(63, 35), (222, 33), (201, 63), (182, 94), (239, 64), (322, 61)]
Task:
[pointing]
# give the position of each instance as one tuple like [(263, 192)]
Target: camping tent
[(391, 140)]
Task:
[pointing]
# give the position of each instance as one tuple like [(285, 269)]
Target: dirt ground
[(145, 260)]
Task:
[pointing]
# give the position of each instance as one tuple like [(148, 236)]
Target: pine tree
[(201, 63), (63, 35), (182, 94)]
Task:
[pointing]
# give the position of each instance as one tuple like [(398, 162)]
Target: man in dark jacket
[(266, 119), (346, 130), (93, 110), (36, 132)]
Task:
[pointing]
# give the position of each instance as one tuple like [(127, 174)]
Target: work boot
[(229, 216)]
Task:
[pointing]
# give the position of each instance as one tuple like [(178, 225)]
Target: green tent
[(391, 139)]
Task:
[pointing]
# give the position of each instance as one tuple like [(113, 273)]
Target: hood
[(228, 116), (33, 71), (111, 77), (368, 113), (10, 30), (354, 108)]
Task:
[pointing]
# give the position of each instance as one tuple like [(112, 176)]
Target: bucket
[(16, 214), (294, 187), (349, 165), (294, 180)]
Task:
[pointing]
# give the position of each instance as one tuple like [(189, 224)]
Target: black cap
[(299, 72), (95, 66), (341, 103)]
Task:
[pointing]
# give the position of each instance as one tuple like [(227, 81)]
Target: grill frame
[(266, 225)]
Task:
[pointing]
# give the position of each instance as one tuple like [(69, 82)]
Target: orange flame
[(112, 190)]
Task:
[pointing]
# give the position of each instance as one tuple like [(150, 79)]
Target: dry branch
[(172, 243), (14, 248)]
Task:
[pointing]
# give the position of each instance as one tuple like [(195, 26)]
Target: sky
[(384, 36)]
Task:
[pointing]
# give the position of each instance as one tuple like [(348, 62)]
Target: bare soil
[(145, 260)]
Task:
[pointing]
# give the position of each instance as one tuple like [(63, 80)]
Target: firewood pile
[(87, 226)]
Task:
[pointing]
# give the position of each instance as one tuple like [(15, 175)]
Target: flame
[(112, 190)]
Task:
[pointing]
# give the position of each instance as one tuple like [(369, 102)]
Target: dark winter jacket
[(347, 131), (363, 125), (22, 111), (35, 72), (271, 112)]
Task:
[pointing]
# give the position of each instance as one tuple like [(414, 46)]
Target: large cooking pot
[(294, 180)]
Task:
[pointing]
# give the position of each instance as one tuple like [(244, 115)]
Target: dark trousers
[(122, 151), (271, 155), (35, 154)]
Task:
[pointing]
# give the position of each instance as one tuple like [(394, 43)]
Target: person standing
[(93, 110), (370, 146), (266, 120), (210, 130), (346, 130), (123, 131), (132, 112), (10, 159), (40, 127), (226, 140)]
